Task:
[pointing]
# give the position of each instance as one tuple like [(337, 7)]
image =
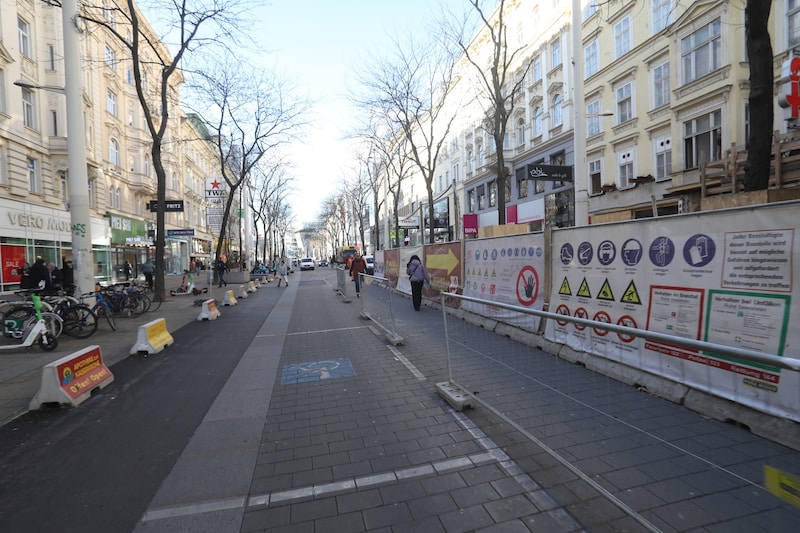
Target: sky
[(317, 44)]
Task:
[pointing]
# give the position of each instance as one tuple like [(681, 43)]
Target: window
[(24, 31), (111, 57), (91, 194), (793, 22), (471, 201), (493, 194), (33, 175), (590, 9), (537, 122), (624, 103), (555, 53), (28, 108), (520, 131), (661, 85), (64, 187), (51, 57), (481, 197), (625, 165), (700, 52), (663, 150), (622, 37), (662, 14), (596, 176), (557, 116), (2, 90), (113, 152), (702, 139), (480, 154), (590, 56), (53, 123), (522, 183), (111, 102), (536, 69), (593, 118)]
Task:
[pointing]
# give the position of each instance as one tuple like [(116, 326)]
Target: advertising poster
[(723, 277), (405, 253), (443, 262), (507, 270), (391, 266), (13, 259)]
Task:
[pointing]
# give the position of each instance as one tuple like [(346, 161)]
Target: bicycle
[(35, 330), (79, 320), (18, 313), (101, 307)]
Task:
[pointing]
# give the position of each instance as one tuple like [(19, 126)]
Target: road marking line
[(408, 364)]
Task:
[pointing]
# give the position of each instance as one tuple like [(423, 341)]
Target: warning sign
[(565, 288), (631, 295), (783, 485), (584, 289), (605, 292)]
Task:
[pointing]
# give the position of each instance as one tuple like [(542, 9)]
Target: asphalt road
[(96, 467)]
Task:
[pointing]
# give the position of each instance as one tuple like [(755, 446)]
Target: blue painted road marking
[(316, 371)]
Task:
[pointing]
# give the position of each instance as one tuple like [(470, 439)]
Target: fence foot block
[(457, 399)]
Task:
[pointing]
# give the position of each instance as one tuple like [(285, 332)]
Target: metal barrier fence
[(377, 304), (593, 441)]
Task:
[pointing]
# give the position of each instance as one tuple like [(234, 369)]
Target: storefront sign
[(27, 220), (471, 224), (170, 206), (179, 232), (550, 172), (215, 188), (409, 222), (126, 230)]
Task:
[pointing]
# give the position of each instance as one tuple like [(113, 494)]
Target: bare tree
[(190, 26), (410, 88), (356, 193), (268, 189), (249, 117), (759, 52), (501, 77)]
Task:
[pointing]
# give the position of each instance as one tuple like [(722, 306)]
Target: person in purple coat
[(418, 276)]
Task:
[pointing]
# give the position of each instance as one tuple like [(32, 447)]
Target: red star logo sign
[(215, 184)]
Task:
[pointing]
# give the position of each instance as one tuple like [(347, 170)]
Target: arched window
[(520, 131), (557, 118), (537, 122), (113, 152)]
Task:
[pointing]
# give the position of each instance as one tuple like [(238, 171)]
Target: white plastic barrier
[(251, 287), (229, 298), (152, 338), (242, 292), (71, 379), (209, 311)]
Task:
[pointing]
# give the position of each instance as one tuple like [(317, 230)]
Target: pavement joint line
[(385, 478), (408, 364), (193, 509), (332, 330)]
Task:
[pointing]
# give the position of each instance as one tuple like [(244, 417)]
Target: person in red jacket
[(358, 266)]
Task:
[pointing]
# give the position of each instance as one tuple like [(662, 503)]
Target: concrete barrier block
[(229, 298), (210, 311), (152, 338), (71, 379), (242, 292)]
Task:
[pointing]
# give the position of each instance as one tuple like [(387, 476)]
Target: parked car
[(306, 263), (370, 261)]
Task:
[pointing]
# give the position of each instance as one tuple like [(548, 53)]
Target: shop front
[(29, 232), (130, 247)]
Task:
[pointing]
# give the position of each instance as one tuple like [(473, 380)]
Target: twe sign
[(215, 188)]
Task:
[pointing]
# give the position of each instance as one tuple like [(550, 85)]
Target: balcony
[(140, 183)]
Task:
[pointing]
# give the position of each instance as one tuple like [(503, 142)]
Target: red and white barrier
[(71, 379)]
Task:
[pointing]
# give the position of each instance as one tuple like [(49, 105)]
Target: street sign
[(179, 232), (170, 206)]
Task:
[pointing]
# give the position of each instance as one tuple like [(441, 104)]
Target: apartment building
[(664, 109), (34, 180)]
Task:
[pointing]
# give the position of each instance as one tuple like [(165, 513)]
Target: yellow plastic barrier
[(229, 298), (242, 291), (152, 338), (71, 379), (251, 287), (209, 311)]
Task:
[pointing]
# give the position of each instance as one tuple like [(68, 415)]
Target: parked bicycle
[(101, 307), (15, 314)]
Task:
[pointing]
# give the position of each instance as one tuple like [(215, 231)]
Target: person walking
[(418, 276), (283, 272), (128, 270), (222, 267), (148, 269), (68, 277), (357, 267)]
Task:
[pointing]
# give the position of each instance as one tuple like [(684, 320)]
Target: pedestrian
[(192, 266), (128, 270), (25, 281), (418, 276), (357, 267), (56, 279), (68, 278), (222, 267), (148, 268), (283, 273), (40, 276)]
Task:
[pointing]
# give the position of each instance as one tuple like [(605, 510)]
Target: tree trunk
[(759, 52)]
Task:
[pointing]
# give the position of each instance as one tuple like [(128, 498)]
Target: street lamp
[(80, 220)]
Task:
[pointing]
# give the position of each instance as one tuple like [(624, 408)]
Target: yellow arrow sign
[(782, 484), (447, 261)]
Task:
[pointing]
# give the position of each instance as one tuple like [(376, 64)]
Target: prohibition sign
[(580, 313), (527, 286), (562, 310), (628, 322), (602, 316)]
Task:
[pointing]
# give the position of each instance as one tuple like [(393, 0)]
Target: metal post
[(581, 186), (80, 220)]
